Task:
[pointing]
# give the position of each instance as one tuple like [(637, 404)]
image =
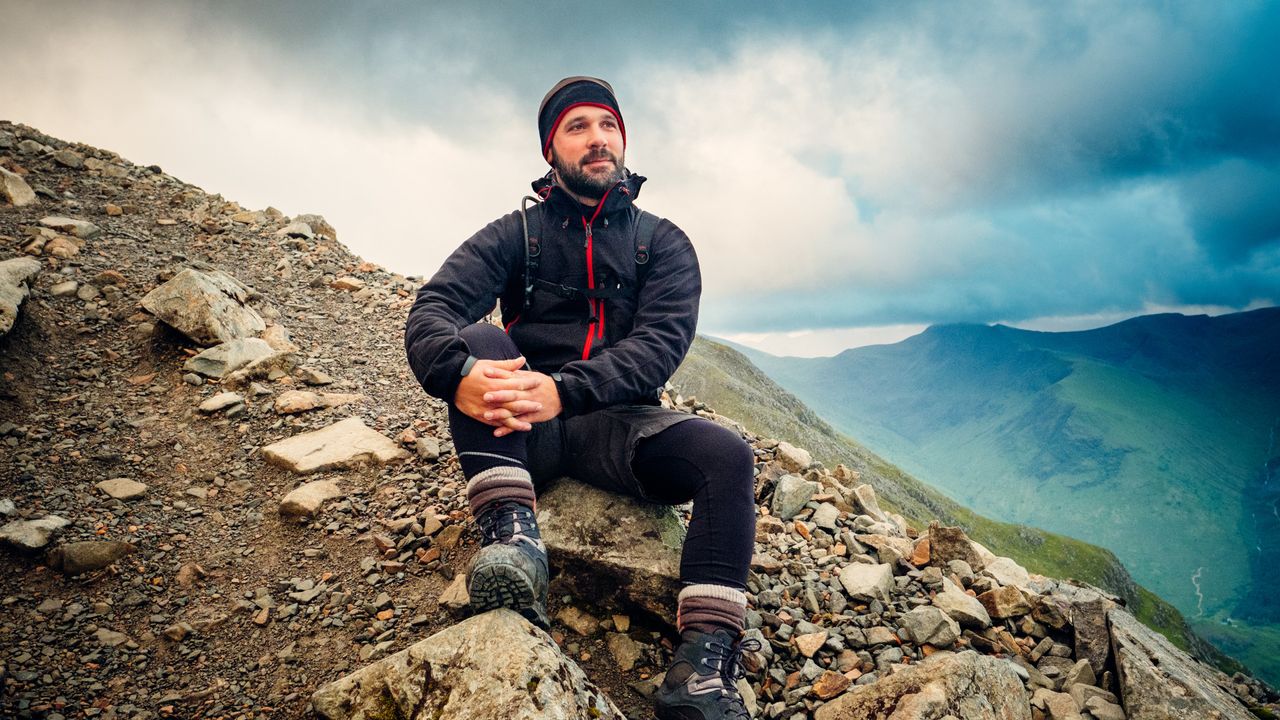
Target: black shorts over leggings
[(647, 452)]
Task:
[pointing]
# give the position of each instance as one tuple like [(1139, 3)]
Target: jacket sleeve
[(463, 290), (666, 317)]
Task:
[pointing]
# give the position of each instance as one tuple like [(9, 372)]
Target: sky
[(849, 173)]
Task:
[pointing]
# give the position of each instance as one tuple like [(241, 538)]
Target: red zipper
[(595, 329)]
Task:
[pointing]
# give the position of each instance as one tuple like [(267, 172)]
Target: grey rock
[(965, 685), (208, 308), (15, 190), (607, 545), (930, 625), (110, 638), (296, 229), (1008, 572), (866, 582), (344, 444), (221, 401), (863, 499), (826, 516), (792, 458), (82, 229), (495, 665), (625, 651), (219, 360), (961, 607), (428, 448), (14, 275), (790, 496), (69, 158), (1157, 680), (7, 507), (32, 534), (67, 288), (81, 557)]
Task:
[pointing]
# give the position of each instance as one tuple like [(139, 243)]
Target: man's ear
[(547, 156)]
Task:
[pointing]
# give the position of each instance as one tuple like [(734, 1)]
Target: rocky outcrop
[(963, 685), (605, 545), (495, 666), (14, 275), (1159, 681), (344, 444), (209, 308)]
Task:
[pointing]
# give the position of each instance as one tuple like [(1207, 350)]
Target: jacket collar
[(562, 203)]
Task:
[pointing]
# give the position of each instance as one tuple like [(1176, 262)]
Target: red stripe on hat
[(622, 127)]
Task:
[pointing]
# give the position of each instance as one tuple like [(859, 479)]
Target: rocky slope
[(229, 532)]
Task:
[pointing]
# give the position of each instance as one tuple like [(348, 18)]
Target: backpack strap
[(532, 247), (646, 225)]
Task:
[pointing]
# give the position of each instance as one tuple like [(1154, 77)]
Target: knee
[(726, 450), (488, 342)]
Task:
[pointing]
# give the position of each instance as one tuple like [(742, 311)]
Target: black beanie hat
[(570, 93)]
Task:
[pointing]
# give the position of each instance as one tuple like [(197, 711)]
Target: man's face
[(587, 151)]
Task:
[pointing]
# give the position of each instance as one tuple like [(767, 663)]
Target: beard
[(584, 184)]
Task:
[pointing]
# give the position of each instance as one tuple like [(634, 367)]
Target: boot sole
[(499, 585)]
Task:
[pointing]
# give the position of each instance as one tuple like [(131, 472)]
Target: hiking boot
[(700, 683), (510, 570)]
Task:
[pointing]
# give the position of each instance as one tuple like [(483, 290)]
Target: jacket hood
[(619, 197)]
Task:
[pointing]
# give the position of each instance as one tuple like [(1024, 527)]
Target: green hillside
[(727, 381), (1150, 437)]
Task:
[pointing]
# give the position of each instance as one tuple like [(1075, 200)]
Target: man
[(599, 303)]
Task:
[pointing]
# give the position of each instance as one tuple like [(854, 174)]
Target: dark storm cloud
[(836, 164)]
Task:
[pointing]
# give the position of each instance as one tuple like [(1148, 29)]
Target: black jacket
[(602, 352)]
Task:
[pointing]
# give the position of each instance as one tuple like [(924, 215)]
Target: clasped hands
[(499, 393)]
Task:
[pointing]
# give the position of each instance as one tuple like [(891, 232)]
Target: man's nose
[(598, 138)]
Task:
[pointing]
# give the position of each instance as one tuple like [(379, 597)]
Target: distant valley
[(1154, 437)]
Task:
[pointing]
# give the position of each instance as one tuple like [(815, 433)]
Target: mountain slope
[(1150, 437), (726, 379)]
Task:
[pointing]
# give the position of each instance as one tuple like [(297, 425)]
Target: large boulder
[(962, 685), (208, 307), (16, 190), (490, 667), (344, 444), (1157, 680), (14, 275), (607, 545)]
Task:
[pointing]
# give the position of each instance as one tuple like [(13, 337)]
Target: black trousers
[(647, 452)]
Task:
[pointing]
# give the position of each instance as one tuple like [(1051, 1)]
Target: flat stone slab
[(82, 229), (123, 488), (495, 666), (344, 444), (608, 545), (209, 308), (961, 685), (296, 401), (1157, 680)]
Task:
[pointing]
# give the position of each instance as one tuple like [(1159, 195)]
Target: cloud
[(893, 164)]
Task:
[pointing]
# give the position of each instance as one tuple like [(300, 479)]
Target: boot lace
[(500, 524), (732, 670)]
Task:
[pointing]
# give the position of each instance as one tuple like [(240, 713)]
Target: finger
[(517, 424), (499, 397), (497, 372), (522, 407), (512, 364)]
